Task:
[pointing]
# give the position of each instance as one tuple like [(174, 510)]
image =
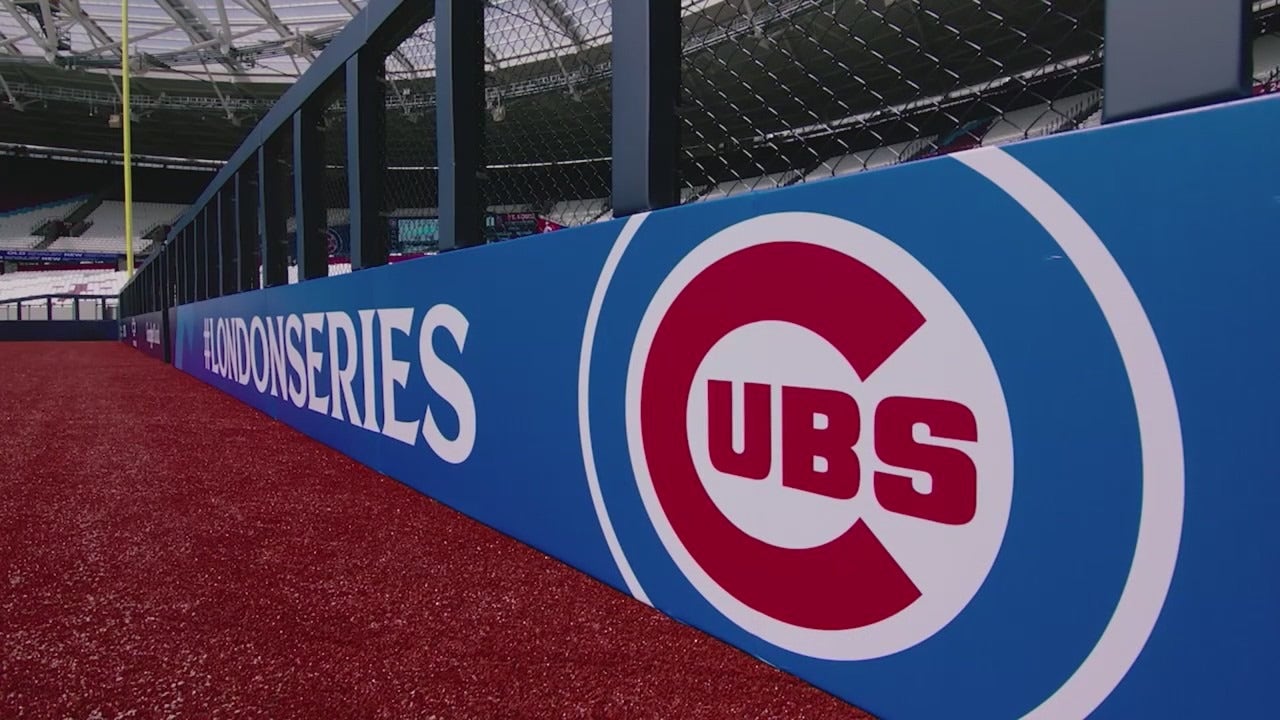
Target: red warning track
[(167, 551)]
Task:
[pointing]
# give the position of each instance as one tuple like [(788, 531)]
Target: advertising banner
[(145, 332), (990, 433), (56, 256)]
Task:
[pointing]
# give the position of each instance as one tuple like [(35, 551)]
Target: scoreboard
[(422, 234)]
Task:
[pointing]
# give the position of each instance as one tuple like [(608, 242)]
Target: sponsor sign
[(56, 256), (988, 431), (145, 332)]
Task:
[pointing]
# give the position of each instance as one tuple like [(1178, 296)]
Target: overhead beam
[(170, 8), (10, 45), (51, 42), (226, 26), (275, 23), (36, 37), (199, 30), (563, 19), (354, 10), (95, 31), (13, 101), (113, 46)]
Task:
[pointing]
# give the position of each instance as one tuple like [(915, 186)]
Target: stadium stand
[(106, 226), (18, 227), (61, 282)]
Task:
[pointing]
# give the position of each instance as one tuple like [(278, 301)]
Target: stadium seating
[(1039, 120), (17, 228), (760, 182), (106, 229), (572, 213), (55, 282), (868, 159)]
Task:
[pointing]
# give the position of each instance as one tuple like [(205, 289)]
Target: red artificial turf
[(163, 555)]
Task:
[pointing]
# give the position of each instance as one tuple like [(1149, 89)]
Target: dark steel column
[(184, 265), (227, 238), (646, 92), (272, 213), (1173, 55), (212, 268), (460, 120), (308, 193), (366, 158), (179, 266), (201, 241), (247, 227)]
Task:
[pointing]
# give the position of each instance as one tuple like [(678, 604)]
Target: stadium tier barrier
[(988, 431), (59, 317)]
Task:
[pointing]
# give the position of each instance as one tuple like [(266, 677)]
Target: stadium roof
[(226, 39), (248, 40), (756, 73)]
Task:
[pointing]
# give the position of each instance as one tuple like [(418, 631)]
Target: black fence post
[(272, 208), (184, 266), (460, 120), (191, 265), (308, 192), (1199, 55), (246, 227), (209, 218), (227, 238), (366, 158), (646, 91)]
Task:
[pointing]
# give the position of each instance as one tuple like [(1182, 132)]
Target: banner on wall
[(949, 435), (145, 332)]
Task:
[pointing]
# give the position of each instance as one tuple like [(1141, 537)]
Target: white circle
[(1155, 553), (945, 360), (1159, 426), (771, 353)]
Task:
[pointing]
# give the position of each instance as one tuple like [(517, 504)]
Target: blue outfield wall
[(989, 434), (57, 330), (145, 332)]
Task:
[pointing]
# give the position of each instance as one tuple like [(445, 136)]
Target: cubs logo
[(826, 434), (792, 440)]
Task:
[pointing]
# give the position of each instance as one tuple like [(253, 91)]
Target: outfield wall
[(989, 431), (148, 333)]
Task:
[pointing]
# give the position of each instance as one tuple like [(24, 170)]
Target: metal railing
[(61, 307)]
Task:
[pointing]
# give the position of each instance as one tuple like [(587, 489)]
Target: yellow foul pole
[(128, 137)]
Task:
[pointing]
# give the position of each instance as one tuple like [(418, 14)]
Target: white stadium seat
[(17, 229)]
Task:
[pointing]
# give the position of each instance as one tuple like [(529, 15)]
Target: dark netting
[(547, 125), (777, 92), (412, 181), (1266, 48)]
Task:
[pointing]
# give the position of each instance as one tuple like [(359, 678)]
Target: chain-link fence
[(412, 179), (547, 126), (777, 92), (774, 93)]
